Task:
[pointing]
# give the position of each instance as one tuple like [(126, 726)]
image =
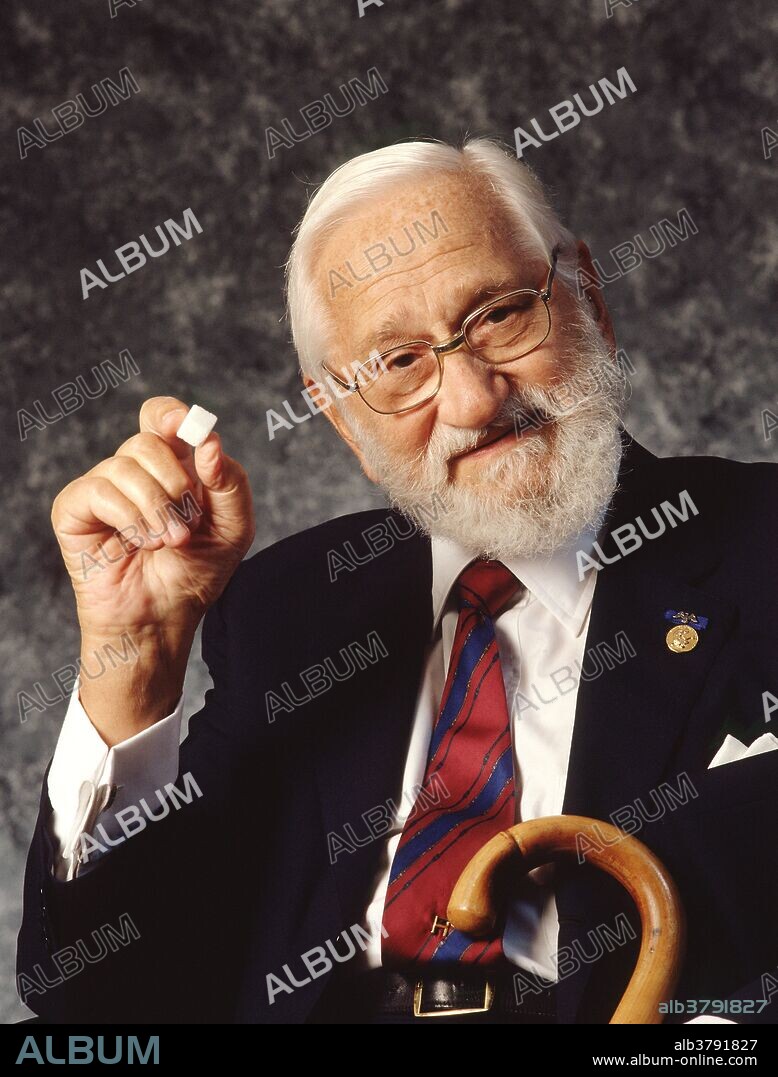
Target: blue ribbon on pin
[(681, 617)]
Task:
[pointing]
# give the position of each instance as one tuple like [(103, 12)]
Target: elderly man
[(548, 620)]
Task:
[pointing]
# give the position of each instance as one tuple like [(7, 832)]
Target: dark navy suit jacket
[(239, 883)]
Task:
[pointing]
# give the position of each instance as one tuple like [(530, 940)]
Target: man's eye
[(401, 360), (496, 315)]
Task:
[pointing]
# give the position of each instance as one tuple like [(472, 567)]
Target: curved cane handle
[(471, 907)]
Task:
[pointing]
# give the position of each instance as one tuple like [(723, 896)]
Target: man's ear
[(325, 402), (593, 295)]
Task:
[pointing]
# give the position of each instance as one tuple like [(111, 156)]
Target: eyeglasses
[(409, 375)]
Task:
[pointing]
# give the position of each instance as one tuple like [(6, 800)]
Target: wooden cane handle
[(471, 908)]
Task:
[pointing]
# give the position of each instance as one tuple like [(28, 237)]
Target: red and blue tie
[(470, 753)]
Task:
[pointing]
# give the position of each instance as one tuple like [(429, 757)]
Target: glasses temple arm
[(352, 386), (552, 271)]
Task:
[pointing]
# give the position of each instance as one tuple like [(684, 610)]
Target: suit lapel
[(632, 707), (361, 750), (630, 717)]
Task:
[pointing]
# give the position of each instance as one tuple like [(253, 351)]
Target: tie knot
[(487, 585)]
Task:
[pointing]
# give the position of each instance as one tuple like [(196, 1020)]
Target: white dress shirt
[(541, 638)]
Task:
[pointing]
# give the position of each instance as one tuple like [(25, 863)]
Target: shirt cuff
[(87, 777)]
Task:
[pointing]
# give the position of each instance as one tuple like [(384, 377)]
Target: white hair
[(514, 186)]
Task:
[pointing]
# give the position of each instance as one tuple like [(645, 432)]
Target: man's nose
[(472, 392)]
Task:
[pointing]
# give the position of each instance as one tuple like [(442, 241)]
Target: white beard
[(544, 491)]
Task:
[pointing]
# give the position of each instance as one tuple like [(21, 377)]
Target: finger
[(159, 520), (91, 505), (160, 461), (162, 415)]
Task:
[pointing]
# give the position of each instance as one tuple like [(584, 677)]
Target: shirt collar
[(552, 580)]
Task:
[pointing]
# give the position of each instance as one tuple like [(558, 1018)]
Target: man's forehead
[(420, 242), (462, 202)]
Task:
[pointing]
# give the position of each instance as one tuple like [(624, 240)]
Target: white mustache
[(592, 386), (529, 404)]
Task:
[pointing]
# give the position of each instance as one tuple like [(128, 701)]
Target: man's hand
[(150, 538)]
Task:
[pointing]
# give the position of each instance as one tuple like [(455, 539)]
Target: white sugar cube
[(197, 425)]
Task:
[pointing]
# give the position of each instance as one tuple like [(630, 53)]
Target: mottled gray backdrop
[(205, 322)]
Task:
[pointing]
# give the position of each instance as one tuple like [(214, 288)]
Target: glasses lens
[(401, 378), (510, 327)]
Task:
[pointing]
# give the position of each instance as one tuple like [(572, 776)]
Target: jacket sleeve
[(155, 932)]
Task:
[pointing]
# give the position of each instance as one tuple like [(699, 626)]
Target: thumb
[(209, 460), (226, 490)]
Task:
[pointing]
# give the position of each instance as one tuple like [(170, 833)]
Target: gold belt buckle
[(419, 1012)]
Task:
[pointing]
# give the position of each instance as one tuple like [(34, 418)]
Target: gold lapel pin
[(682, 638), (685, 633)]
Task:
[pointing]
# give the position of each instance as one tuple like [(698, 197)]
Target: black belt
[(453, 994)]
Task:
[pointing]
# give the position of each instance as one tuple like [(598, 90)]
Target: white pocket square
[(733, 749)]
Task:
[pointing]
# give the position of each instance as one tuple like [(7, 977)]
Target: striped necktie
[(471, 757)]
